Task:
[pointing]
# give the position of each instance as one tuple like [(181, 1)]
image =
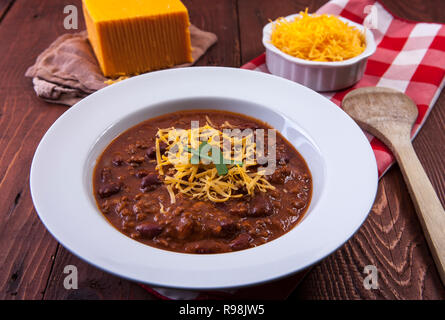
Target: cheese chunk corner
[(136, 36)]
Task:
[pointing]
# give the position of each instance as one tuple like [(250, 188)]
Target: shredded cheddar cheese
[(317, 38), (112, 81), (201, 180)]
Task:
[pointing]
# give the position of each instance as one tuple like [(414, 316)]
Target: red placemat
[(410, 57)]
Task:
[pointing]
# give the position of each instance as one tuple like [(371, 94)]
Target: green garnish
[(216, 158)]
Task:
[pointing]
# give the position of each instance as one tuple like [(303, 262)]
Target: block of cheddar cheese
[(134, 36)]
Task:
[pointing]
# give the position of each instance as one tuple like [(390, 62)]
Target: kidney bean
[(260, 206), (242, 241), (108, 189), (162, 147), (298, 204), (150, 182), (149, 230), (151, 152)]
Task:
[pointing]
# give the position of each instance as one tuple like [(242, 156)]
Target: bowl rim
[(133, 260), (370, 49)]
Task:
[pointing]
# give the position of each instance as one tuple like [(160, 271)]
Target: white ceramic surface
[(319, 76), (339, 156)]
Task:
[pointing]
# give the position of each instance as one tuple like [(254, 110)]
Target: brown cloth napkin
[(67, 71)]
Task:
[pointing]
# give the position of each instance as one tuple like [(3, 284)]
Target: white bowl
[(338, 154), (319, 76)]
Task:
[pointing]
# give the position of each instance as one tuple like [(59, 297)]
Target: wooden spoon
[(389, 115)]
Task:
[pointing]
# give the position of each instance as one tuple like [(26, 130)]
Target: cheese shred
[(201, 180), (317, 38)]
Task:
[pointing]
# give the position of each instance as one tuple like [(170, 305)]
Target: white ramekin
[(319, 76)]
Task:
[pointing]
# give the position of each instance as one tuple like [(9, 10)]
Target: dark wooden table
[(31, 260)]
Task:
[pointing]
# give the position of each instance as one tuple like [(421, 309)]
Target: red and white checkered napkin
[(410, 57)]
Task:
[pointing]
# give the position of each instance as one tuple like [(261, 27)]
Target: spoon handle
[(428, 207)]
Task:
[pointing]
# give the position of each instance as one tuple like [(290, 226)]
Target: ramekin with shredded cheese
[(317, 75)]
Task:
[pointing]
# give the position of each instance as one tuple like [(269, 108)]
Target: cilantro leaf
[(217, 158)]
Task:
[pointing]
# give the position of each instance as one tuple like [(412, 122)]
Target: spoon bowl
[(384, 112)]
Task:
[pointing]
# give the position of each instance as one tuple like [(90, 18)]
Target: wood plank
[(418, 10), (27, 249), (418, 277), (255, 14), (219, 18), (5, 5), (429, 146), (93, 283)]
